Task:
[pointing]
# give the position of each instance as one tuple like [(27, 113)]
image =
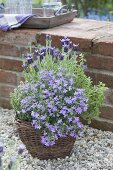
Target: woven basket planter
[(31, 139)]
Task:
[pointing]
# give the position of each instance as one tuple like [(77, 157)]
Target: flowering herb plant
[(56, 93)]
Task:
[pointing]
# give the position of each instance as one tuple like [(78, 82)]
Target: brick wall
[(96, 41)]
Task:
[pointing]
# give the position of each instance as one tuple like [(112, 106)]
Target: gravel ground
[(94, 151)]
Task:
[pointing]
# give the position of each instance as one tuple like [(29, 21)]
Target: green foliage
[(102, 6), (37, 3)]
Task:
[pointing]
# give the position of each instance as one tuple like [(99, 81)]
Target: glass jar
[(19, 6)]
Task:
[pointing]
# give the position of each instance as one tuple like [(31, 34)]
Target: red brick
[(8, 77), (10, 64), (19, 36), (100, 62), (6, 90), (102, 124), (84, 44), (97, 76), (107, 111), (103, 46), (5, 103), (9, 50), (109, 96), (25, 50), (20, 78)]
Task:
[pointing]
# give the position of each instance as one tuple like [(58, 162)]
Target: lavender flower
[(61, 56), (79, 110), (48, 37), (75, 47), (65, 41), (51, 50), (48, 40), (12, 162), (55, 54), (1, 153), (66, 48), (29, 58), (1, 149), (21, 149), (35, 67)]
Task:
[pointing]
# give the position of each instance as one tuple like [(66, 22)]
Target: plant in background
[(56, 93), (101, 8), (14, 162)]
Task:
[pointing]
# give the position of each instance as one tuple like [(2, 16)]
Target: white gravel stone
[(94, 151)]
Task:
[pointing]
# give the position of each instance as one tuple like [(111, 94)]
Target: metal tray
[(52, 19)]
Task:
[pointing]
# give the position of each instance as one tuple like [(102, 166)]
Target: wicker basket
[(31, 139)]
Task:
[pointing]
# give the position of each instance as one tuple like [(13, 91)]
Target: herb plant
[(56, 93)]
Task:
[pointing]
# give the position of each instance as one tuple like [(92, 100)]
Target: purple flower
[(37, 52), (35, 115), (54, 109), (70, 128), (75, 47), (1, 149), (76, 119), (65, 91), (66, 48), (59, 121), (61, 56), (65, 41), (79, 124), (36, 125), (24, 66), (51, 49), (62, 41), (55, 54), (79, 110), (35, 67), (64, 108), (46, 141), (63, 112), (48, 37), (70, 119), (84, 67), (85, 108), (29, 59), (60, 134), (21, 149), (71, 81), (52, 128), (73, 134), (43, 50), (12, 161), (43, 117), (68, 101), (51, 143), (70, 44), (55, 98), (59, 74)]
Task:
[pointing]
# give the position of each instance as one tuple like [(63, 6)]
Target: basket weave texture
[(31, 139)]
